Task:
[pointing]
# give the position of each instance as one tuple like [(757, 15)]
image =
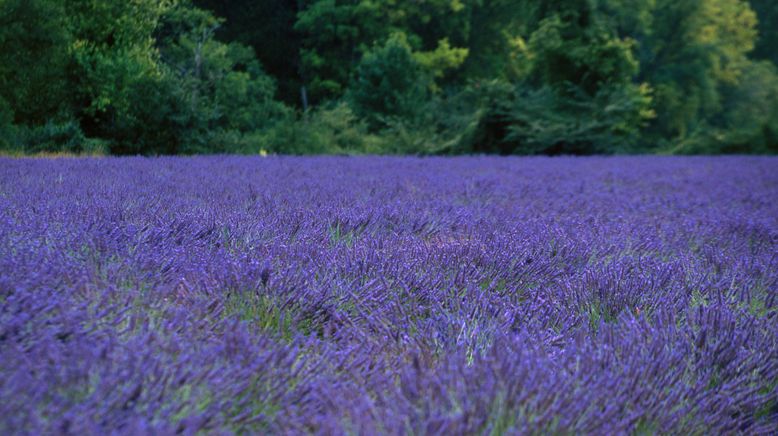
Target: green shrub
[(325, 130), (748, 122), (441, 126), (521, 119), (57, 137), (550, 122)]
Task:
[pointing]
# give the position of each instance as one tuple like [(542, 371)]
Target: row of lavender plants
[(367, 295)]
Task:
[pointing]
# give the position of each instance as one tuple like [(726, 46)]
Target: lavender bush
[(389, 295)]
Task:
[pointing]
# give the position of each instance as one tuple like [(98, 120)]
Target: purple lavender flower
[(617, 295)]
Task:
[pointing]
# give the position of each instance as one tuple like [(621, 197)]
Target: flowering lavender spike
[(477, 295)]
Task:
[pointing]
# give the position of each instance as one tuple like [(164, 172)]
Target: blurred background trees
[(399, 76)]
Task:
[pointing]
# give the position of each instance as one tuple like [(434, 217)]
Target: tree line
[(391, 76)]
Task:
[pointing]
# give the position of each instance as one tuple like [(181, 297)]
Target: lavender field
[(365, 295)]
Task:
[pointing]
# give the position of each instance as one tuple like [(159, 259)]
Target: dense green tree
[(221, 86), (590, 58), (268, 27), (495, 34), (688, 50), (388, 82), (684, 53), (576, 91), (433, 76), (117, 69), (33, 61), (748, 119), (337, 33), (767, 43), (151, 78), (751, 115)]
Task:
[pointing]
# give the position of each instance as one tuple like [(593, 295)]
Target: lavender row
[(389, 295)]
